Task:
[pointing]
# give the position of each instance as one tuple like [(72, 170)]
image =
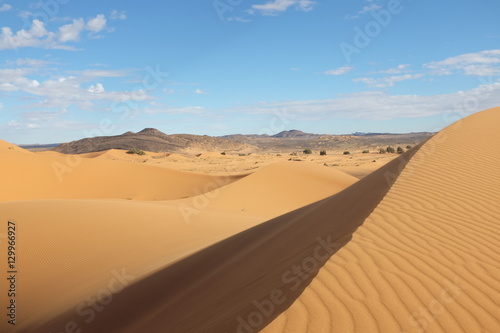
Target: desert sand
[(109, 242)]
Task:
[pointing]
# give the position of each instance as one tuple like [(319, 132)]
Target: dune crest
[(426, 260)]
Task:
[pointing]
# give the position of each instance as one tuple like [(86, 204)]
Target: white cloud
[(396, 70), (366, 9), (118, 15), (63, 92), (274, 7), (71, 32), (484, 63), (340, 70), (382, 105), (96, 24), (200, 91), (98, 88), (38, 36), (25, 38), (387, 81), (5, 7)]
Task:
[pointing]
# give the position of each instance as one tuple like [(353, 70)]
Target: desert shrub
[(136, 151), (293, 154), (409, 147), (390, 150), (307, 151), (365, 151), (223, 153), (381, 151), (347, 152), (400, 150), (323, 152), (278, 154), (242, 154)]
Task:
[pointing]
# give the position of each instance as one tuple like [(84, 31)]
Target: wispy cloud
[(396, 70), (386, 82), (200, 91), (5, 7), (366, 9), (275, 7), (379, 105), (238, 19), (484, 63), (28, 62), (118, 15), (339, 71)]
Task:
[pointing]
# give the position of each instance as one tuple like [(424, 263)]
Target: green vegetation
[(136, 151), (390, 150), (400, 150), (347, 152), (307, 151), (381, 151), (365, 152), (323, 152), (409, 147), (223, 153), (293, 154)]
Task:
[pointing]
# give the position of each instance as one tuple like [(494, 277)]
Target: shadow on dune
[(242, 283)]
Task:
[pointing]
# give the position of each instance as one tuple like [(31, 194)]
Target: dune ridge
[(427, 258)]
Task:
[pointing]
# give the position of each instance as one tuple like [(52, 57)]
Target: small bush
[(136, 151), (242, 154), (409, 147), (381, 151), (278, 154), (390, 150), (365, 151), (400, 150), (293, 154), (223, 153), (323, 152), (347, 152), (307, 151)]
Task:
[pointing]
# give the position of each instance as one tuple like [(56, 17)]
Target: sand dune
[(208, 291), (279, 188), (412, 247), (427, 259), (55, 176)]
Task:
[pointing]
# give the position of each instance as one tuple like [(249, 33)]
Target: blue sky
[(71, 69)]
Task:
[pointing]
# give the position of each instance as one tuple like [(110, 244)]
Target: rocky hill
[(151, 139)]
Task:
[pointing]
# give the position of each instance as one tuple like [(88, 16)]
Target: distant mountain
[(293, 134), (151, 139)]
